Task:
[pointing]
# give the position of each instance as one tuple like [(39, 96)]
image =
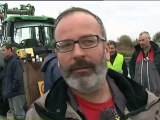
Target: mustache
[(81, 64)]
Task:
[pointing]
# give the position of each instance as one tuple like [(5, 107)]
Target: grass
[(3, 118)]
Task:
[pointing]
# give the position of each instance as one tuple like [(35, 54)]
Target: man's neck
[(99, 96)]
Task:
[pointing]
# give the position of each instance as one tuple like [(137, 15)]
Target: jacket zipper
[(117, 117), (149, 87)]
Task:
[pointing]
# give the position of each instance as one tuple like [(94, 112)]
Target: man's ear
[(58, 64), (107, 47), (12, 50), (54, 51), (107, 52)]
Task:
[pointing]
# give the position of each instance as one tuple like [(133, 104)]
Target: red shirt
[(92, 110)]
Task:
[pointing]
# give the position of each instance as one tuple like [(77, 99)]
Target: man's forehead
[(3, 47), (144, 35), (70, 21), (78, 15)]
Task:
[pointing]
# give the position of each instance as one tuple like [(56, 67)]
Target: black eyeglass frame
[(78, 41)]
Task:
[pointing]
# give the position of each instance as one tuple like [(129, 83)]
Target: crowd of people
[(86, 78)]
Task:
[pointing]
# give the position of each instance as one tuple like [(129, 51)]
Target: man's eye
[(65, 44), (88, 42)]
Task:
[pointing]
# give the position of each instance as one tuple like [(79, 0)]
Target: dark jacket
[(13, 83), (4, 105), (51, 71), (58, 104), (2, 64), (133, 59)]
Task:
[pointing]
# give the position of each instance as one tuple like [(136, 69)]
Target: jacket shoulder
[(149, 112), (32, 113)]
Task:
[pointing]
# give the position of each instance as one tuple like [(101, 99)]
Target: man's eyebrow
[(87, 35)]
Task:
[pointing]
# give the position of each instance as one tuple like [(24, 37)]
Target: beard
[(142, 46), (85, 82)]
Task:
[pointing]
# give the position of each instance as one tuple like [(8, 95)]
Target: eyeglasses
[(85, 42)]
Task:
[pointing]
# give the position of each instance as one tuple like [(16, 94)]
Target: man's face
[(5, 52), (112, 49), (144, 41), (83, 69)]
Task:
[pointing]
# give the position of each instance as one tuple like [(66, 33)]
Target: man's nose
[(78, 52)]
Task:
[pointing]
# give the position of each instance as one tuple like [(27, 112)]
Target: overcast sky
[(119, 17)]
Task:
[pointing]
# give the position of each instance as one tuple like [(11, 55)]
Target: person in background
[(144, 65), (88, 89), (4, 105), (13, 84), (50, 70), (117, 61)]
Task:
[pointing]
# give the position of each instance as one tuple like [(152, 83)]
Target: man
[(13, 84), (51, 71), (87, 90), (144, 65), (117, 61)]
